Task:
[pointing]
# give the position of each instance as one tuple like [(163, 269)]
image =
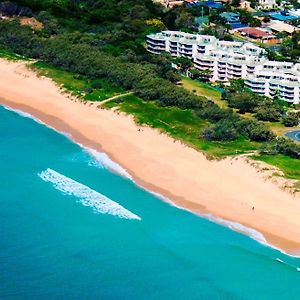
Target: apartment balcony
[(187, 55), (157, 48), (234, 67), (185, 50), (203, 67), (154, 51), (156, 42), (234, 72), (254, 84), (287, 98), (286, 88), (273, 86), (187, 47)]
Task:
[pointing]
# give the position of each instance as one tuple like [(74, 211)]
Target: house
[(283, 16), (170, 3), (231, 17), (257, 34), (244, 4), (211, 4), (282, 27)]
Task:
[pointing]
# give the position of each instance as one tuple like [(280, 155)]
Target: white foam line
[(37, 120), (234, 226), (104, 161), (254, 234), (86, 195), (23, 114)]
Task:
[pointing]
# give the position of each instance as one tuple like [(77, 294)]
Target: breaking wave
[(23, 114), (86, 196), (102, 160)]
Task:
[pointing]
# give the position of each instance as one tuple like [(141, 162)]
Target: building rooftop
[(282, 16), (254, 32), (282, 27), (211, 4)]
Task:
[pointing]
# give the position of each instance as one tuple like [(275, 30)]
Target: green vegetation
[(95, 49), (289, 166), (9, 55), (80, 86), (204, 90), (239, 97), (179, 124)]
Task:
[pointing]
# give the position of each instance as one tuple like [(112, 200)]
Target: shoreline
[(118, 136)]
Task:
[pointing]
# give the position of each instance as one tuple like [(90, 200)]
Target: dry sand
[(228, 189)]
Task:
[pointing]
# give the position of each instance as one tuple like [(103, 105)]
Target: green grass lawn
[(90, 90), (179, 124), (11, 55), (203, 89), (290, 166)]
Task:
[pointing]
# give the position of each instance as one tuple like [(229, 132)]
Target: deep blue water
[(72, 229)]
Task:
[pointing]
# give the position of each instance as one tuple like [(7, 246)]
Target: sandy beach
[(228, 189)]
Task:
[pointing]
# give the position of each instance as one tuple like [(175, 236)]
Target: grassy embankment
[(179, 124), (184, 126), (90, 90), (290, 166), (203, 89), (10, 55)]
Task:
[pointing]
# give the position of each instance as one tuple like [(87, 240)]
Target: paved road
[(295, 135)]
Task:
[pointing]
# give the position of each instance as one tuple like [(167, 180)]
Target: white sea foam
[(23, 114), (102, 160), (238, 227), (37, 120), (102, 204), (86, 196)]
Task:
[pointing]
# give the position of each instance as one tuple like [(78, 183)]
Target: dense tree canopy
[(96, 43)]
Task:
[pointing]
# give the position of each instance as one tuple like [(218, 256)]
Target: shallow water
[(73, 229)]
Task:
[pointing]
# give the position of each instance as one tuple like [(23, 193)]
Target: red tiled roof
[(254, 32)]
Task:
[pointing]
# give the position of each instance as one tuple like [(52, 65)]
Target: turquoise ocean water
[(73, 229)]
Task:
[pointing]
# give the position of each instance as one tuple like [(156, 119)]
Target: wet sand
[(229, 188)]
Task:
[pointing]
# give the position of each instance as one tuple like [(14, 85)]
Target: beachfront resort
[(226, 60)]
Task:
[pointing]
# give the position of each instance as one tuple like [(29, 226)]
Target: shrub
[(224, 130), (291, 119), (288, 147), (96, 85), (268, 113)]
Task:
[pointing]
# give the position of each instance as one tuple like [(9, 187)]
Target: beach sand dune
[(231, 188)]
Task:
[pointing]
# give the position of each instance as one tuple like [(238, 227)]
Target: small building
[(244, 4), (282, 27), (231, 17), (211, 4), (283, 16), (258, 35), (172, 3), (233, 20), (267, 4)]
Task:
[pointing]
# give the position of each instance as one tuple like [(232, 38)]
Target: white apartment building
[(232, 60)]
